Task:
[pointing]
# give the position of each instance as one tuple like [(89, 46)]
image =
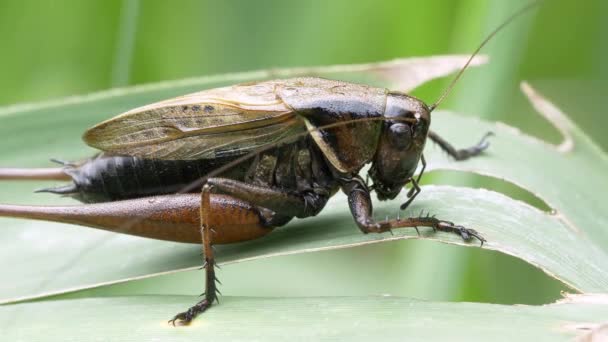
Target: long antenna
[(514, 16)]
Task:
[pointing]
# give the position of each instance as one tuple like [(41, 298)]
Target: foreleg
[(360, 204)]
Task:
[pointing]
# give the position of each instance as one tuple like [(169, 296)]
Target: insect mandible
[(276, 149)]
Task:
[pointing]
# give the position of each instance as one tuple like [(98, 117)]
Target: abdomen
[(111, 178)]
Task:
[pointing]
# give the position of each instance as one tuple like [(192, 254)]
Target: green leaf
[(43, 258), (311, 319), (48, 258), (570, 177)]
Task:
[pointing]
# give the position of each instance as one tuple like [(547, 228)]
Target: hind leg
[(222, 224), (210, 293), (8, 173)]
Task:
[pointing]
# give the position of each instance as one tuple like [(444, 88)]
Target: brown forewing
[(222, 121)]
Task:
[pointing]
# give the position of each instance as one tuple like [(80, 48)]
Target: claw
[(465, 233), (476, 235), (181, 317), (486, 136), (483, 144)]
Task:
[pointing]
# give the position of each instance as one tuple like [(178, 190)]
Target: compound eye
[(420, 130), (401, 135)]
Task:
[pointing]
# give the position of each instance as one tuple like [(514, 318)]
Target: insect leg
[(34, 174), (467, 234), (461, 154), (169, 218), (225, 219), (280, 201), (360, 204), (412, 194), (415, 190), (207, 226)]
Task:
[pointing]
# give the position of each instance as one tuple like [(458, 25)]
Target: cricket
[(231, 164)]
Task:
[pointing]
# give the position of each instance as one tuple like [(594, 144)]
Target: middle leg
[(461, 154), (285, 203)]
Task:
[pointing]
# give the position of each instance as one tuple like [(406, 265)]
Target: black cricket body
[(263, 152), (106, 178), (316, 135), (387, 129), (308, 137)]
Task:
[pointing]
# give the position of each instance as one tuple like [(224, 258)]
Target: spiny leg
[(360, 204), (466, 234), (461, 154), (226, 219), (211, 291)]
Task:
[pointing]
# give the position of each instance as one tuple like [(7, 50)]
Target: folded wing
[(218, 122)]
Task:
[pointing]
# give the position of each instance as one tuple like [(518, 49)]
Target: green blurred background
[(52, 49)]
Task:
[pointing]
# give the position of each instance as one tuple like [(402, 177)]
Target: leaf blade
[(62, 262), (392, 318)]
